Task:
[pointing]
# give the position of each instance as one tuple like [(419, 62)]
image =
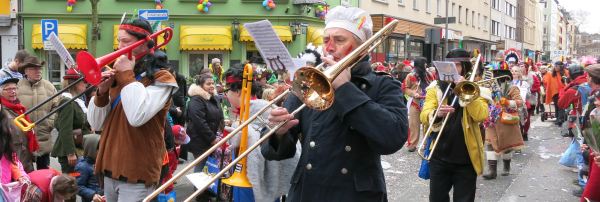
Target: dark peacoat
[(342, 146), (204, 118)]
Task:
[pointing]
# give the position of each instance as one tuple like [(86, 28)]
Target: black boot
[(492, 165), (525, 137), (506, 170)]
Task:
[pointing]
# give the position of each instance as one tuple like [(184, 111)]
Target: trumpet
[(90, 70), (466, 91), (311, 85)]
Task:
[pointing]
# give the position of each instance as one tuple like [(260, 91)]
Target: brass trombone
[(466, 91), (310, 84)]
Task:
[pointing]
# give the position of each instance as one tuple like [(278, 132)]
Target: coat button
[(363, 86), (312, 144), (308, 166), (344, 171), (351, 128), (348, 148)]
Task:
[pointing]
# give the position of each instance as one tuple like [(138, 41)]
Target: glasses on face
[(10, 89)]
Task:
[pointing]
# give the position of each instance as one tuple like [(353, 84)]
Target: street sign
[(154, 14), (48, 26), (437, 21), (432, 35)]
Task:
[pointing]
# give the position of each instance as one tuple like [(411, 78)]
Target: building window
[(510, 10), (428, 6), (452, 11), (415, 5), (495, 28), (437, 7), (466, 16), (381, 1), (200, 60), (479, 22), (56, 67), (473, 19), (485, 23), (459, 13), (545, 18), (496, 4), (400, 2), (545, 31)]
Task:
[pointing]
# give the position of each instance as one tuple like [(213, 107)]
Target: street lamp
[(236, 27)]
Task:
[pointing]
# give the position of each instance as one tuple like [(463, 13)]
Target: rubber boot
[(506, 170), (492, 165)]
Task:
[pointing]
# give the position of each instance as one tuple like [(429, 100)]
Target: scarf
[(32, 143)]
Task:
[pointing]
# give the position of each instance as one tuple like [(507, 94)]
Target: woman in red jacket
[(570, 95)]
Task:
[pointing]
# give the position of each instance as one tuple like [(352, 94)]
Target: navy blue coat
[(342, 146)]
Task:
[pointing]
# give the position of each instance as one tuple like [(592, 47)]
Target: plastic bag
[(170, 197), (424, 169), (212, 168), (569, 157), (12, 191)]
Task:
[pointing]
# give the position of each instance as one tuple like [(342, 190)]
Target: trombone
[(91, 68), (467, 91), (310, 84)]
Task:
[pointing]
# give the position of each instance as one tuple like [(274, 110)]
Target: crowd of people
[(126, 136)]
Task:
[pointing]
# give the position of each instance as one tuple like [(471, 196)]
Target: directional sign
[(154, 14), (48, 26), (61, 50)]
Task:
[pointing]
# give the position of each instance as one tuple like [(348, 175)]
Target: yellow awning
[(284, 33), (73, 36), (204, 37), (314, 35), (116, 39)]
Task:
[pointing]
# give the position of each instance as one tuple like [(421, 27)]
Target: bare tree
[(95, 27), (580, 16)]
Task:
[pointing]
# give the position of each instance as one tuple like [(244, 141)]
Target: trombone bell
[(313, 87)]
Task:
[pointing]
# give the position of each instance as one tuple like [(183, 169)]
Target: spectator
[(24, 143), (71, 124), (32, 91), (87, 181), (49, 185), (8, 158), (554, 82), (12, 68)]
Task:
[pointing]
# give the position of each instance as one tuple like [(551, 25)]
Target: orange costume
[(553, 85)]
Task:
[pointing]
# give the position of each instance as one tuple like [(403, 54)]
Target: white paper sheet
[(447, 71), (274, 53)]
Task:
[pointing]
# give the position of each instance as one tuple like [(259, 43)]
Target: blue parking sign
[(49, 26)]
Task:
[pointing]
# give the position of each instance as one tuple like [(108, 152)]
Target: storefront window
[(200, 60), (396, 50), (415, 49), (56, 67)]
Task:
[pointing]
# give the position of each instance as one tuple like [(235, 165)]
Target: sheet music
[(61, 50), (199, 179), (447, 71), (274, 53)]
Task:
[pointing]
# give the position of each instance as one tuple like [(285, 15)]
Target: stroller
[(549, 113)]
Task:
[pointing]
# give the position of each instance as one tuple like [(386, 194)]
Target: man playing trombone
[(341, 146), (130, 108), (460, 156)]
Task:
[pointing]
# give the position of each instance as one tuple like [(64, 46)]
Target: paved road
[(536, 175)]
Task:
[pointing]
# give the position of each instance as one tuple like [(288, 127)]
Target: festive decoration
[(269, 4), (321, 10), (159, 4), (70, 4), (203, 5)]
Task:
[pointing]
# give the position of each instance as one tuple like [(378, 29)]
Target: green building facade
[(198, 37)]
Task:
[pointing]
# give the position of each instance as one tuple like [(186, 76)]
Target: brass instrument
[(91, 68), (312, 86), (466, 92)]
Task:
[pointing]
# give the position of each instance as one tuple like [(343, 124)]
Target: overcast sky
[(591, 24)]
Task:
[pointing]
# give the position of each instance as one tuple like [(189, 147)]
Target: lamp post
[(236, 28), (445, 49)]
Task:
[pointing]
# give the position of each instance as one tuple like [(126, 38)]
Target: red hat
[(176, 129), (72, 74)]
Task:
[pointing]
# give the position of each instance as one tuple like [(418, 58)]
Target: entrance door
[(200, 60)]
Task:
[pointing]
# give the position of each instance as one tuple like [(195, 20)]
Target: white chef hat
[(353, 19)]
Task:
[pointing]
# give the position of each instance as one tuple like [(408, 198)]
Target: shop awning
[(314, 35), (284, 33), (116, 41), (202, 37), (73, 36)]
